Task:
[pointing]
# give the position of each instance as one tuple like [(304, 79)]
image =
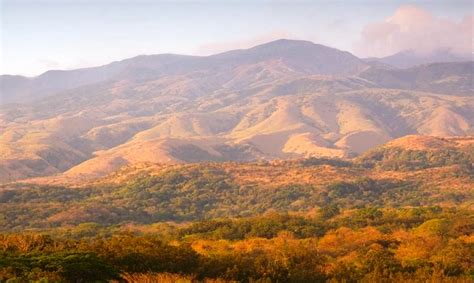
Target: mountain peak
[(299, 55), (293, 44), (286, 42)]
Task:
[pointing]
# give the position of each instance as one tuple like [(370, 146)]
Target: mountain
[(411, 58), (15, 89), (454, 78), (281, 100), (298, 56)]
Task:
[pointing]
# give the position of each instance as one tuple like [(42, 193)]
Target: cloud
[(411, 27), (222, 46)]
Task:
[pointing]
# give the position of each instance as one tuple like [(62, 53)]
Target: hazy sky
[(36, 36)]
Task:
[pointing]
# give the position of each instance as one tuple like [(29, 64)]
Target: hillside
[(281, 100), (411, 171), (402, 210)]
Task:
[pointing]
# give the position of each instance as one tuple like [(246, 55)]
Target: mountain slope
[(284, 99), (298, 56), (17, 89)]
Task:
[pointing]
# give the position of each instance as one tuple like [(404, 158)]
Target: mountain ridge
[(411, 58), (16, 88), (154, 63)]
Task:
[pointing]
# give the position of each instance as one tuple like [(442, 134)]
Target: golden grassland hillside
[(266, 125)]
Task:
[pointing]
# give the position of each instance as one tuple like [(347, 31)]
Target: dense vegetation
[(367, 244), (388, 216), (395, 158), (203, 192)]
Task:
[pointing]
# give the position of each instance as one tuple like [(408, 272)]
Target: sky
[(36, 36)]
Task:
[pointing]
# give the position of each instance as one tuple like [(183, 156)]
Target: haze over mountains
[(283, 99)]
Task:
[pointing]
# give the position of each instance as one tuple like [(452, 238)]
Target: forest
[(361, 245)]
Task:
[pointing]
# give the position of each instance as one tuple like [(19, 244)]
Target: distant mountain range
[(283, 99), (411, 58)]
